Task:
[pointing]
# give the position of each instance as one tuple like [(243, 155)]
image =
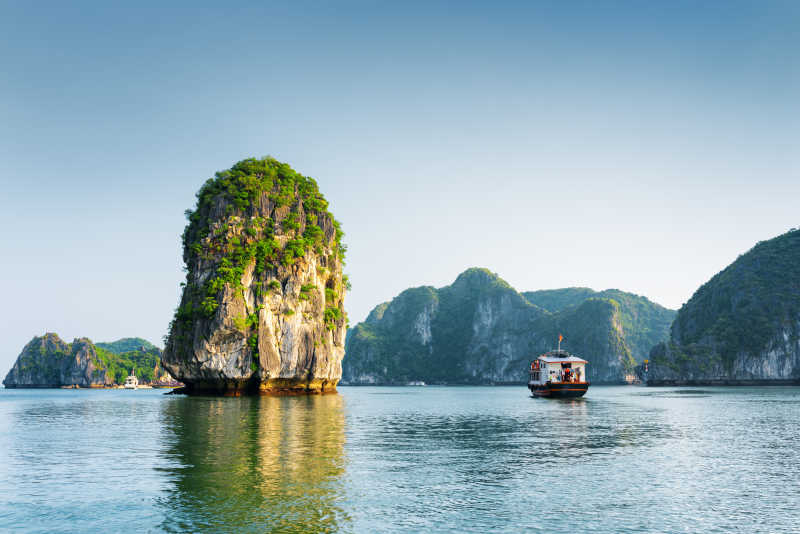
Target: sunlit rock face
[(262, 308)]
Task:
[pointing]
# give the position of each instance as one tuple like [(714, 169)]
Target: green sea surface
[(402, 459)]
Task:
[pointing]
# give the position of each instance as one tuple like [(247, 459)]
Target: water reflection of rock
[(261, 464)]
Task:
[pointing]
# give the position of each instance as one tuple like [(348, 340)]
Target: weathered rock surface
[(262, 307), (480, 330), (740, 327), (47, 361)]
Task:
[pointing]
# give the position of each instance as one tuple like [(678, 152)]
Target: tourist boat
[(131, 382), (558, 374)]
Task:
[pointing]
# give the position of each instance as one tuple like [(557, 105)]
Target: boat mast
[(560, 337)]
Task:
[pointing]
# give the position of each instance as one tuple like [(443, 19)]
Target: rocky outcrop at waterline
[(262, 308), (480, 330), (742, 327), (49, 362)]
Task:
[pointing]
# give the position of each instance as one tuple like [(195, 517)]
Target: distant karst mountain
[(740, 327), (480, 330), (644, 323), (47, 361), (126, 344)]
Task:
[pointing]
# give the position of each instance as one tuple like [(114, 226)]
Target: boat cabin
[(558, 373), (558, 366)]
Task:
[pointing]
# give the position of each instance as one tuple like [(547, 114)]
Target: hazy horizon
[(636, 146)]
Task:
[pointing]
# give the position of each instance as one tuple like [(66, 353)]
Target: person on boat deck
[(578, 374)]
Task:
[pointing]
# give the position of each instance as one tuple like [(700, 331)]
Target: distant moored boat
[(131, 382)]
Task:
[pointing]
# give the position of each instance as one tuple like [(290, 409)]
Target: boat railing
[(573, 381)]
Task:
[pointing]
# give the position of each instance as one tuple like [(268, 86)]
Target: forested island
[(48, 362), (740, 327), (480, 330)]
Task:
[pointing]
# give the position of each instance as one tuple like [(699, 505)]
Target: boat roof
[(561, 356)]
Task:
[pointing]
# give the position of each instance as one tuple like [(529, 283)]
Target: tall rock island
[(262, 308), (741, 327), (480, 330)]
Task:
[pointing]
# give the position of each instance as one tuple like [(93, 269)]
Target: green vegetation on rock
[(744, 323), (740, 308), (126, 344), (227, 232), (555, 300), (48, 361), (119, 366), (481, 330), (262, 306), (643, 322)]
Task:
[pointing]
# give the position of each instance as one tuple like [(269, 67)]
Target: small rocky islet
[(48, 361)]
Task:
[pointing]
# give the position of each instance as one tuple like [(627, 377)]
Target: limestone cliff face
[(480, 330), (262, 306), (742, 326), (779, 363), (48, 361)]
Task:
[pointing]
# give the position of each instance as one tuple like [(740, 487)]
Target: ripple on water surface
[(432, 459)]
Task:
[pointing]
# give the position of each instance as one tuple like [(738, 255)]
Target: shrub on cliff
[(244, 236)]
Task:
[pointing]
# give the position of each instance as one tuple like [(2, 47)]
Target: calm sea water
[(424, 459)]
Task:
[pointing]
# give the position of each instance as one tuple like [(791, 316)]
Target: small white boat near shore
[(131, 382)]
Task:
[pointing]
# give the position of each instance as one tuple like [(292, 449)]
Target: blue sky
[(635, 145)]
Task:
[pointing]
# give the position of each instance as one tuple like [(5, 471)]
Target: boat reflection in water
[(255, 464)]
